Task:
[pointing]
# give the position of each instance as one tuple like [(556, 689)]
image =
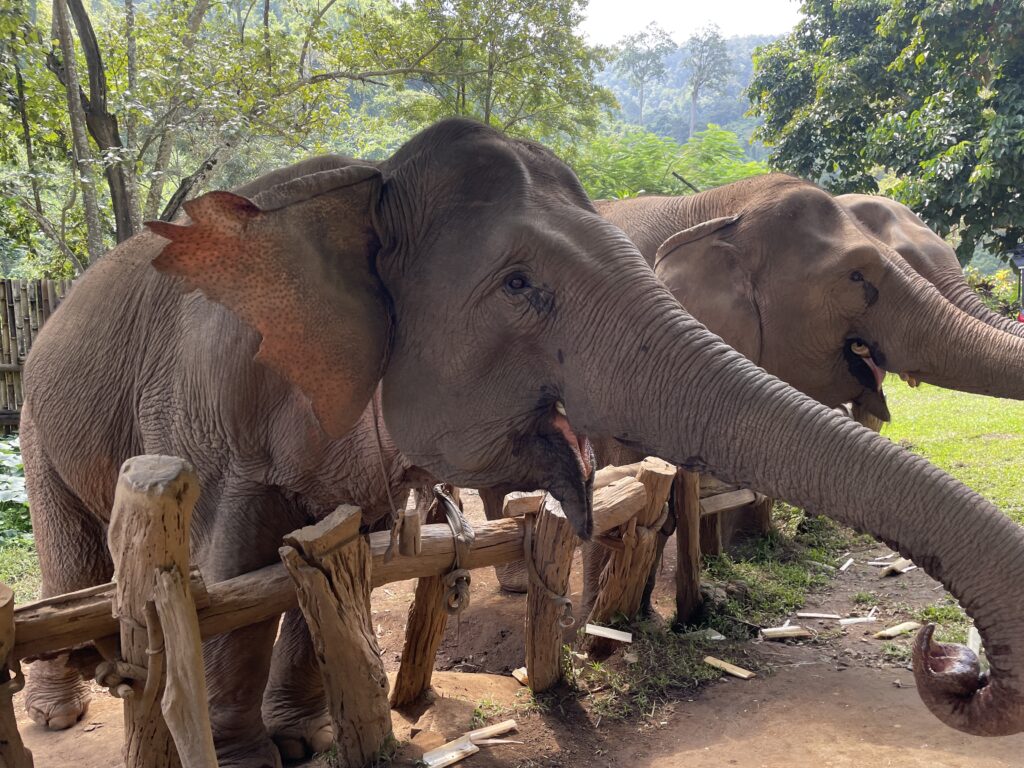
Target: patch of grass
[(865, 598), (979, 440), (769, 577), (485, 710), (660, 664), (896, 653), (952, 623)]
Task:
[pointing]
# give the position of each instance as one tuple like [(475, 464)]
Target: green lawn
[(979, 440)]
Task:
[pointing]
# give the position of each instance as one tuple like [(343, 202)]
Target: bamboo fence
[(24, 306)]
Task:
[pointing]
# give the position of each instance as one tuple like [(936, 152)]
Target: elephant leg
[(73, 555), (512, 576), (294, 708), (240, 535)]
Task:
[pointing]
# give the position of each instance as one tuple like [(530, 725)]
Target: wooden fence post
[(148, 536), (763, 514), (424, 631), (711, 535), (13, 753), (625, 572), (330, 564), (549, 544), (687, 506)]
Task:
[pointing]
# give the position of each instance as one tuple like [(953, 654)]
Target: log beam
[(330, 563), (13, 753), (148, 535), (686, 500), (625, 573), (550, 547)]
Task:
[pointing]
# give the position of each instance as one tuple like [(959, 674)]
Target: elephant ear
[(296, 264), (703, 271)]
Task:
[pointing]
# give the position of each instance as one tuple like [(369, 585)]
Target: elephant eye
[(857, 277), (516, 282)]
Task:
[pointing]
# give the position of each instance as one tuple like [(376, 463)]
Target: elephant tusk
[(861, 350), (560, 407), (911, 381)]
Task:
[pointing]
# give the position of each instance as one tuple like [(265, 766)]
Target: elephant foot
[(55, 695), (299, 730), (252, 753), (305, 739), (512, 577)]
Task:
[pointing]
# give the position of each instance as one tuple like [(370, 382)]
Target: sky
[(608, 21)]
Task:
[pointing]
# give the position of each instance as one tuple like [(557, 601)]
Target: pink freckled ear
[(299, 273)]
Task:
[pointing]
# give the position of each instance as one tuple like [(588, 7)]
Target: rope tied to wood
[(566, 620), (628, 537), (458, 579), (16, 682)]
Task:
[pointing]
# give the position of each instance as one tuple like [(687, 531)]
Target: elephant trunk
[(957, 291), (706, 407), (942, 345)]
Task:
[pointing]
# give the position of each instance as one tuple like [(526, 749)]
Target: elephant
[(933, 258), (759, 261), (469, 277)]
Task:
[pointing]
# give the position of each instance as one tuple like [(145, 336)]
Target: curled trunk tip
[(953, 686)]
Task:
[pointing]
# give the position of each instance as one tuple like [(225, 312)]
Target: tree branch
[(48, 229)]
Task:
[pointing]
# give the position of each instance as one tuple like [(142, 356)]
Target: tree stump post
[(148, 536), (549, 543), (330, 564), (424, 632), (625, 573), (763, 514), (711, 535), (13, 753), (686, 499)]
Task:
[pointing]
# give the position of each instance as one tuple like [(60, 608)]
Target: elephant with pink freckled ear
[(505, 322)]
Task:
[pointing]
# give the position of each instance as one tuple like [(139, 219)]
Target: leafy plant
[(998, 291)]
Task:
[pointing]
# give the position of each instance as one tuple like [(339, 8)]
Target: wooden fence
[(24, 306)]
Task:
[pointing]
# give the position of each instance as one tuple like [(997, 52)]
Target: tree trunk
[(26, 134), (129, 118), (103, 125), (80, 139), (693, 111)]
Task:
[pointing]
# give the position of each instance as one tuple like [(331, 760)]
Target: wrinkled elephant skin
[(504, 320)]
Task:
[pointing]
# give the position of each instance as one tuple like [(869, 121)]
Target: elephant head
[(507, 319), (786, 275), (928, 254)]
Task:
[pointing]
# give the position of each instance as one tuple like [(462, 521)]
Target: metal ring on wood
[(566, 620), (456, 581)]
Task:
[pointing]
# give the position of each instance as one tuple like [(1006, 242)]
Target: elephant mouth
[(866, 362), (578, 444)]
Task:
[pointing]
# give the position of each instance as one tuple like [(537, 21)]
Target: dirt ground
[(832, 701)]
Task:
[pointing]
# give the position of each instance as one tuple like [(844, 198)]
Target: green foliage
[(979, 440), (667, 100), (640, 58), (625, 161), (226, 91), (930, 92), (997, 290)]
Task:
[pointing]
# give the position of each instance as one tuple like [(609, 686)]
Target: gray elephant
[(471, 279), (933, 258), (761, 263)]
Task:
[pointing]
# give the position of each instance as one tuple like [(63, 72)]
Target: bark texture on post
[(184, 703), (763, 514), (711, 535), (686, 499), (330, 564), (625, 573), (148, 535), (13, 753), (424, 632), (551, 545)]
